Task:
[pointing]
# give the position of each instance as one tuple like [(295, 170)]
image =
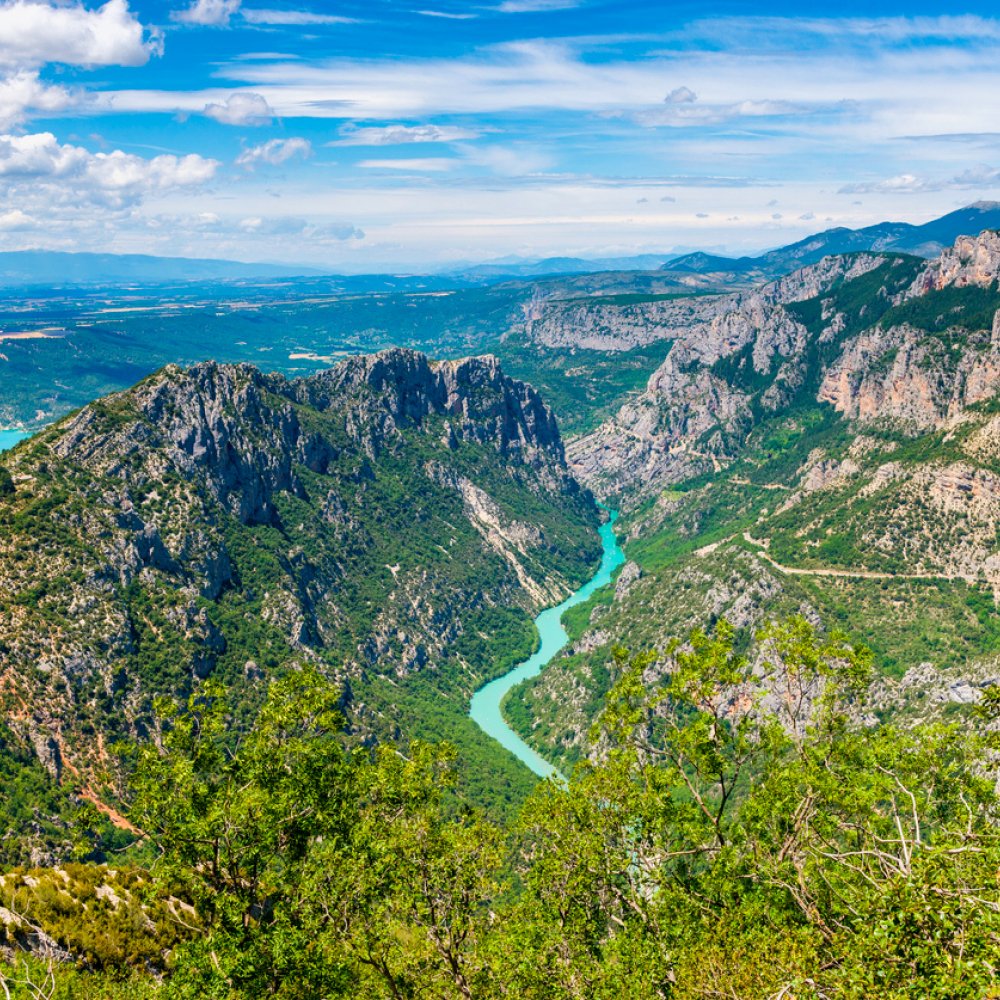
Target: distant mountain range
[(19, 268), (926, 240), (520, 267), (46, 268)]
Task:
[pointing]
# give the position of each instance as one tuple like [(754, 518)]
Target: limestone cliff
[(879, 338)]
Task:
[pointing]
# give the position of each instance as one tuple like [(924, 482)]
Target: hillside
[(393, 521), (827, 444)]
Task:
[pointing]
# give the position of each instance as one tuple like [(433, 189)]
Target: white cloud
[(23, 92), (268, 16), (684, 110), (284, 225), (214, 13), (33, 33), (509, 161), (41, 167), (274, 152), (15, 219), (399, 135), (982, 175), (681, 95), (535, 6), (432, 164), (243, 108), (446, 14)]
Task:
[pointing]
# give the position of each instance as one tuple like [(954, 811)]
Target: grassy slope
[(949, 623)]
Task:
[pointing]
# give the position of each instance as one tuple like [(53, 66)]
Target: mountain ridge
[(393, 521), (924, 240)]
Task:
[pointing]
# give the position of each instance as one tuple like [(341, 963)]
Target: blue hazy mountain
[(48, 267), (926, 240)]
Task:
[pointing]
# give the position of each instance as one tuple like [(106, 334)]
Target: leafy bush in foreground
[(740, 829)]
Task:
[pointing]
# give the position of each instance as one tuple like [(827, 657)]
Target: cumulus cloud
[(42, 167), (212, 13), (399, 135), (274, 152), (33, 33), (681, 95), (15, 219), (242, 108), (23, 92)]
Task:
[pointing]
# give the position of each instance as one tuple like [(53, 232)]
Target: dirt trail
[(855, 574)]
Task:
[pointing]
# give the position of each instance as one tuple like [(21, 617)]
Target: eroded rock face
[(748, 355), (711, 325), (972, 261), (685, 422), (901, 375)]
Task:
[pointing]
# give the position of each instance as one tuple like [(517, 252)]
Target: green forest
[(737, 829)]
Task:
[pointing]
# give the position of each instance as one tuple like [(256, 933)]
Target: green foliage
[(969, 307), (582, 386), (31, 978), (317, 872), (41, 819), (111, 920), (234, 824), (735, 831)]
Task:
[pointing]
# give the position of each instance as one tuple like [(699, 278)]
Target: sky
[(366, 136)]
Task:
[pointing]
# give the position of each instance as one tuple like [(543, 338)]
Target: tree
[(234, 820)]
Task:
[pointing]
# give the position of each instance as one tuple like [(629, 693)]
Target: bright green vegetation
[(37, 811), (750, 848), (968, 307), (109, 918), (583, 387)]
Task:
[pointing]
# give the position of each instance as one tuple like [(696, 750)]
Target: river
[(10, 438), (485, 707)]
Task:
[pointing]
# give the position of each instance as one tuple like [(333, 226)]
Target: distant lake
[(10, 438)]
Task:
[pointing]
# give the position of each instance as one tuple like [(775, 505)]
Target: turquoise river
[(10, 438), (485, 707)]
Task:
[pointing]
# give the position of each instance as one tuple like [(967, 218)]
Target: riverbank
[(484, 708)]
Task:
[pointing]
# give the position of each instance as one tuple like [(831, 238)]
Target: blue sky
[(386, 134)]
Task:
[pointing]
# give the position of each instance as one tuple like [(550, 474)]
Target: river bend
[(484, 709)]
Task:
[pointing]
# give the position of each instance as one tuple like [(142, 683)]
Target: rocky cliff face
[(877, 338), (974, 261), (387, 518), (901, 374)]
